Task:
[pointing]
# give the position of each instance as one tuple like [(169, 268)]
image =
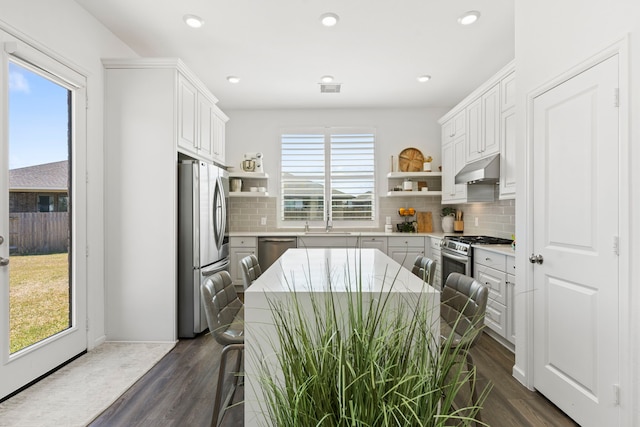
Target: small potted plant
[(447, 215)]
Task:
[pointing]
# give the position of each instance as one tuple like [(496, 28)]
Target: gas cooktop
[(462, 244), (479, 240)]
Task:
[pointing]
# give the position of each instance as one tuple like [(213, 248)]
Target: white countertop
[(336, 233), (305, 269), (501, 249)]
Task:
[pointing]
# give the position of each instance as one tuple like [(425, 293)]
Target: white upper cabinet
[(508, 91), (453, 160), (491, 121), (187, 107), (200, 123), (508, 155), (474, 130), (483, 125), (206, 130), (508, 137), (453, 128), (219, 120), (487, 117)]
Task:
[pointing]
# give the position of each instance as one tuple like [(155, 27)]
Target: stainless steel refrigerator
[(203, 237)]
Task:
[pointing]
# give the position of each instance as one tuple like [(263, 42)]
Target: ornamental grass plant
[(357, 360)]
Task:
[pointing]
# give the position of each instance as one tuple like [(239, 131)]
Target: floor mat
[(76, 394)]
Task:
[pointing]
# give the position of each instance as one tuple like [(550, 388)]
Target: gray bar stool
[(225, 317)]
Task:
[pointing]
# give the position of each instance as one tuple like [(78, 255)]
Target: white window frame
[(335, 223)]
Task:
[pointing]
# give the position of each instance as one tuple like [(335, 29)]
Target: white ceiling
[(280, 50)]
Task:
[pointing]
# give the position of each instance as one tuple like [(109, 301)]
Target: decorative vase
[(447, 224), (427, 166)]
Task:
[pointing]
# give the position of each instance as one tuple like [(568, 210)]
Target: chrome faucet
[(306, 226)]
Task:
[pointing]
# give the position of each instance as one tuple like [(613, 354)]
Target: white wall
[(396, 129), (64, 30), (551, 38)]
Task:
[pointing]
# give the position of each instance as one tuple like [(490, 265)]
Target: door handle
[(533, 259), (4, 262)]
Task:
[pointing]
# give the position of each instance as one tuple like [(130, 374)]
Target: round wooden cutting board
[(410, 160)]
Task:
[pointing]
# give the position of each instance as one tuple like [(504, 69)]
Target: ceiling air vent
[(330, 88)]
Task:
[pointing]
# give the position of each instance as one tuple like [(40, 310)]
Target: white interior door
[(576, 204), (42, 215)]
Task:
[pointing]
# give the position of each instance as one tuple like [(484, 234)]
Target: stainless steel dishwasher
[(270, 249)]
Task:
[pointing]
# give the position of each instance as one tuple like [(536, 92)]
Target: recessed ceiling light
[(326, 79), (424, 78), (329, 19), (233, 79), (469, 18), (193, 21)]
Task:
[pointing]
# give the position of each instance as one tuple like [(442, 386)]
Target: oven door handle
[(454, 257)]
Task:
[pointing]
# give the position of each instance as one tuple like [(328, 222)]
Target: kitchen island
[(313, 273)]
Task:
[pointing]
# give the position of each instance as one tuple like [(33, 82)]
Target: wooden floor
[(179, 390)]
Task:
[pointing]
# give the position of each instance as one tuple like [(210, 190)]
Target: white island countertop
[(312, 273), (315, 269)]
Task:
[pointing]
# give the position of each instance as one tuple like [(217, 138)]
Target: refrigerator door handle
[(214, 268), (218, 213), (223, 199)]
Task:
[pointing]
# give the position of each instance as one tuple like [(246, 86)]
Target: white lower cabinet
[(511, 299), (240, 247), (374, 243), (434, 253), (511, 312), (404, 250), (490, 268)]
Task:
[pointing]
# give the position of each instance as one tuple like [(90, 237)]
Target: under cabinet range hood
[(483, 171)]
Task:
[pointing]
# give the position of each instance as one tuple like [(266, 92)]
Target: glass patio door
[(42, 215)]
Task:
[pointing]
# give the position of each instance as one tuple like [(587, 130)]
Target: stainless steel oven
[(457, 253), (456, 257)]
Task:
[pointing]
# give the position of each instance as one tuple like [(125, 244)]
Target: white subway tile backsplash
[(494, 219)]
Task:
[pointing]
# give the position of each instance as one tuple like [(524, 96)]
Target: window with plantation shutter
[(328, 174)]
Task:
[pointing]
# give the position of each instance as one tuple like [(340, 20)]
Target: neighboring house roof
[(45, 177)]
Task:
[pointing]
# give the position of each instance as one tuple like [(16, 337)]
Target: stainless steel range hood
[(483, 171)]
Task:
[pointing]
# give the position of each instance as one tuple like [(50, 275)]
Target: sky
[(38, 119)]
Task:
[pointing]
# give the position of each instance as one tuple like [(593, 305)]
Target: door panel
[(579, 371), (575, 187), (47, 134), (208, 251)]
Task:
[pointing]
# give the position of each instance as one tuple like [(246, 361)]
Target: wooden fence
[(38, 232)]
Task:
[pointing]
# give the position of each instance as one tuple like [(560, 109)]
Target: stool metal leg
[(219, 407)]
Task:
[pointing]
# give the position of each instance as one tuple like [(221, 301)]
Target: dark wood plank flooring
[(179, 391)]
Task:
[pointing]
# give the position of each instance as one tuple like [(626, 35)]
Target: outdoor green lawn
[(38, 298)]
